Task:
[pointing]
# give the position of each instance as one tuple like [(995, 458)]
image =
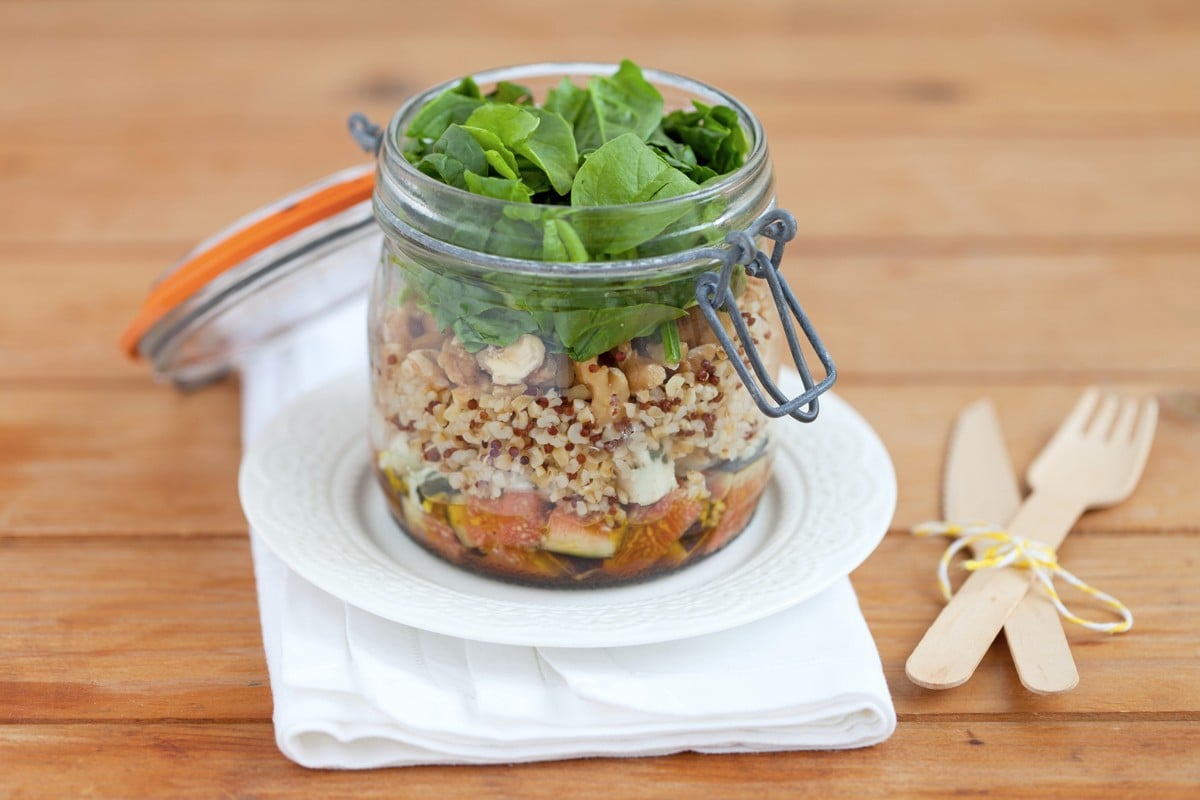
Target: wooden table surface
[(995, 199)]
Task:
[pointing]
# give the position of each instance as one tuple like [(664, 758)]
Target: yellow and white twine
[(1000, 549)]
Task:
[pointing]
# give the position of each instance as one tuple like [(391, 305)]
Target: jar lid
[(269, 271)]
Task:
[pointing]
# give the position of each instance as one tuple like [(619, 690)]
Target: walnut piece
[(696, 357), (394, 327), (460, 366), (695, 330), (643, 373), (510, 365), (554, 372), (609, 387), (422, 365)]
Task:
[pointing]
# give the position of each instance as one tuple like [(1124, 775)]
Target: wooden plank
[(1018, 317), (798, 111), (119, 628), (69, 19), (1123, 758), (84, 296), (131, 457), (1102, 315), (130, 628), (143, 191), (1015, 189), (128, 459), (914, 423), (852, 84), (846, 85)]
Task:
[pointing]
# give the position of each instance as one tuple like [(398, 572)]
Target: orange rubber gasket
[(196, 273)]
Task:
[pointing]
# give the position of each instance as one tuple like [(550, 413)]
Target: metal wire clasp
[(713, 293), (366, 134)]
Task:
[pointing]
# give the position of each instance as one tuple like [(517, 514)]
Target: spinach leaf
[(501, 159), (446, 297), (512, 236), (503, 163), (675, 153), (462, 147), (583, 324), (541, 137), (497, 325), (478, 315), (623, 103), (501, 188), (514, 93), (551, 147), (713, 132), (560, 242), (444, 168), (450, 107), (591, 331), (732, 152), (510, 125), (537, 181), (621, 172), (683, 158), (672, 348), (670, 182), (567, 100)]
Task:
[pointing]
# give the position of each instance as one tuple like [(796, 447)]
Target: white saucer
[(307, 489)]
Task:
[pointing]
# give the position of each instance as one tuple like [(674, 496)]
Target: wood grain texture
[(792, 19), (144, 459), (1031, 191), (996, 199), (1092, 315), (133, 458), (143, 628), (130, 628), (914, 422), (79, 632), (865, 65), (1068, 759)]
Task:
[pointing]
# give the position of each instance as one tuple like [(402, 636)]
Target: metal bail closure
[(366, 134), (713, 293)]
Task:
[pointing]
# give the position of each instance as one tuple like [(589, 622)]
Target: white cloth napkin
[(352, 690)]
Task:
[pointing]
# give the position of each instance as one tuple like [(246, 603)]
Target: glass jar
[(567, 423)]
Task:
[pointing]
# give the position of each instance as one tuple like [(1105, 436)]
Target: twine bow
[(1000, 549)]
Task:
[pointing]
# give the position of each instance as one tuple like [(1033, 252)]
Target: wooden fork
[(1094, 460)]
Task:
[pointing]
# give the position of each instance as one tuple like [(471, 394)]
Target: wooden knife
[(979, 485)]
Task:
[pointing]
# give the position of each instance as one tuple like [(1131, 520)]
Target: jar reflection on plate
[(544, 463)]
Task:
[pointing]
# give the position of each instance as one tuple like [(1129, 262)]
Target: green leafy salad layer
[(606, 144)]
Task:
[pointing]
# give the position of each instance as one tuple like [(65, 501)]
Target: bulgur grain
[(564, 441)]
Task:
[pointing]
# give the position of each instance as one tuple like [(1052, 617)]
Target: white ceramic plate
[(307, 488)]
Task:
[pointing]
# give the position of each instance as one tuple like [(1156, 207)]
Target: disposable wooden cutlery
[(1094, 460), (979, 484)]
